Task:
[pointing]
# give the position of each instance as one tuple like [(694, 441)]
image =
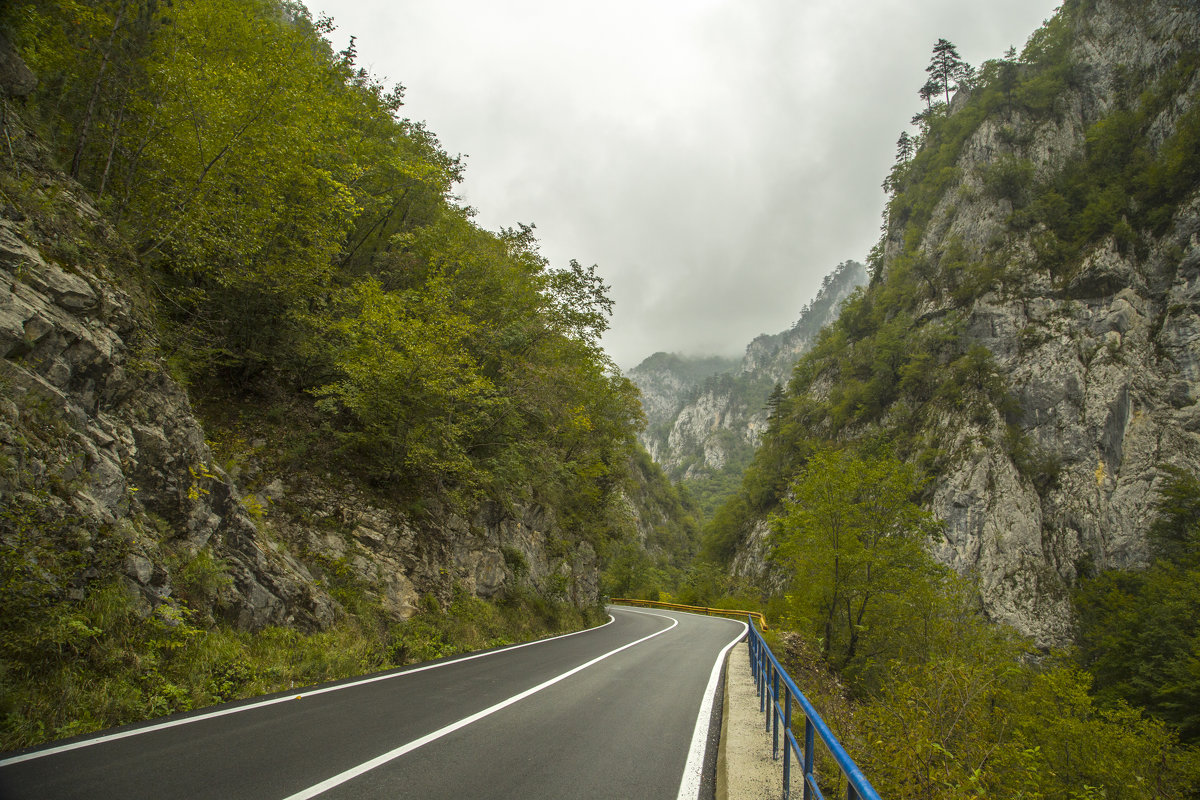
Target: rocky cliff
[(1032, 330), (705, 417)]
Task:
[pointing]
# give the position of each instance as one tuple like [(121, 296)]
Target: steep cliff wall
[(1033, 321)]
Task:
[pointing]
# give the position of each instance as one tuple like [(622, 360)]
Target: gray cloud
[(716, 158)]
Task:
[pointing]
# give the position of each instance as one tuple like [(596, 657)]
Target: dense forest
[(300, 237)]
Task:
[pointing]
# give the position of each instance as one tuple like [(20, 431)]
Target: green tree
[(946, 69), (408, 381), (1139, 632), (853, 537)]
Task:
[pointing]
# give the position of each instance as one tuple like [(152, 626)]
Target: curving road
[(619, 711)]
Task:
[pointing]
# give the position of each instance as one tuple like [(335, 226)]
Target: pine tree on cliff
[(946, 68)]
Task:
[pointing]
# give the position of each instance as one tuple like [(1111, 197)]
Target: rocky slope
[(1044, 287), (704, 417), (105, 469)]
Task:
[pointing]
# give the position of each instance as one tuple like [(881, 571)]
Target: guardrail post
[(775, 717), (768, 675), (787, 747), (762, 682), (809, 775)]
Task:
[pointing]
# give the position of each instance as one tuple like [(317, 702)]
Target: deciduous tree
[(852, 536)]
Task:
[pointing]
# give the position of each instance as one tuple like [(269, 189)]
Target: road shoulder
[(745, 768)]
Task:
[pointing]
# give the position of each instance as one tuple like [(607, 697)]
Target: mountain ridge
[(704, 416)]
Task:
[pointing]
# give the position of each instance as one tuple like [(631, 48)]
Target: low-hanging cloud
[(715, 158)]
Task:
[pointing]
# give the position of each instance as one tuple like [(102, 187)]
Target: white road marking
[(285, 699), (689, 785), (379, 761)]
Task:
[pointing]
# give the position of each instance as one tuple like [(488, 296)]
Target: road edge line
[(689, 783), (172, 723), (380, 760)]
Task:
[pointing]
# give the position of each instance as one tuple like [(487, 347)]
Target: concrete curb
[(745, 769)]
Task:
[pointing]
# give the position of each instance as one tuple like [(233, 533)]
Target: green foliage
[(1118, 188), (942, 703), (652, 565), (102, 661), (199, 579), (409, 381), (852, 537), (946, 69), (301, 255), (305, 240), (1008, 177), (982, 725), (949, 705), (1138, 629), (899, 360)]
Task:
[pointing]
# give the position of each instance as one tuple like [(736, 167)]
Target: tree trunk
[(85, 127), (112, 147)]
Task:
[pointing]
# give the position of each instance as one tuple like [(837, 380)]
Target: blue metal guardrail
[(769, 675)]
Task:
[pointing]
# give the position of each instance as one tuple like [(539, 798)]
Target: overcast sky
[(715, 158)]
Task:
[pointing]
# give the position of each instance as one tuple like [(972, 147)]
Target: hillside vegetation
[(705, 415), (299, 237), (975, 500), (276, 409)]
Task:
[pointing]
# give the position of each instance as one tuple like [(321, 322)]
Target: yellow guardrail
[(723, 612)]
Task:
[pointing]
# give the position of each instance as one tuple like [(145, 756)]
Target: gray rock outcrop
[(700, 425), (16, 79), (1100, 364)]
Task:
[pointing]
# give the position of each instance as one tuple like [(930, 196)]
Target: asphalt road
[(618, 711)]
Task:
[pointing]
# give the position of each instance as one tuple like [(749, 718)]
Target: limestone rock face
[(488, 555), (1101, 365), (116, 441), (1103, 370), (702, 424), (16, 79), (1107, 388)]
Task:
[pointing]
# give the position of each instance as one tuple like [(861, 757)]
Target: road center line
[(62, 748), (380, 760)]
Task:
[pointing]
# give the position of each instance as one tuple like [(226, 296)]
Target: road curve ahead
[(618, 711)]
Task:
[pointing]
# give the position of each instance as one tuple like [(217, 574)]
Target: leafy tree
[(408, 380), (906, 147), (931, 89), (580, 305), (774, 400), (852, 537), (1138, 630)]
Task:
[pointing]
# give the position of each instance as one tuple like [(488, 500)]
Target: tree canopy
[(304, 237), (852, 535)]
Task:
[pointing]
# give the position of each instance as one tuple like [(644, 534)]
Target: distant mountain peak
[(705, 413)]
